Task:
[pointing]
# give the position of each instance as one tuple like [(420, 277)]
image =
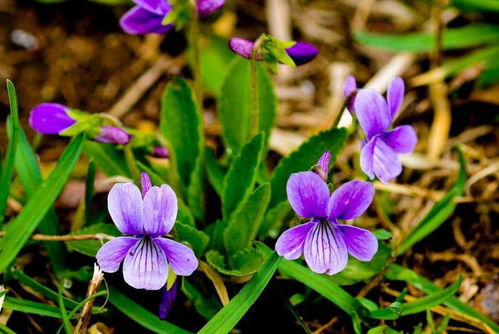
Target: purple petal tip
[(241, 46), (145, 182), (50, 118), (302, 53), (208, 7), (160, 152), (113, 135)]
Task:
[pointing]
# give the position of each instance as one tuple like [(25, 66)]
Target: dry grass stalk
[(217, 281), (86, 313)]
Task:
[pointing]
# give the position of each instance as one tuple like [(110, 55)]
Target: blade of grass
[(228, 317), (82, 303), (28, 306), (89, 191), (140, 315), (19, 231), (419, 305), (29, 172), (6, 330), (8, 163), (64, 315)]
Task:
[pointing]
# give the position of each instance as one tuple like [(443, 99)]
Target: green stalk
[(255, 107)]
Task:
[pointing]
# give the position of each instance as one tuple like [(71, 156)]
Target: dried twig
[(86, 313), (68, 237)]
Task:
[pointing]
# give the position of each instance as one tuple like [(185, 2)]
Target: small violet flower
[(160, 152), (147, 17), (379, 151), (167, 300), (322, 167), (324, 242), (50, 118), (112, 135), (301, 53), (144, 219)]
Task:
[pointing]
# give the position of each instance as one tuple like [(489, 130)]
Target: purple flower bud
[(113, 135), (208, 7), (145, 182), (323, 165), (50, 118), (349, 92), (167, 300), (301, 53), (160, 152)]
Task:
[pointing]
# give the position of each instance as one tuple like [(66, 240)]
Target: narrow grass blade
[(19, 231), (27, 306), (140, 315), (8, 163), (89, 192), (64, 315), (228, 317)]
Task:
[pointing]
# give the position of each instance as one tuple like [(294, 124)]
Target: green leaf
[(90, 247), (246, 261), (377, 330), (235, 104), (206, 306), (198, 240), (140, 315), (438, 213), (357, 271), (228, 317), (325, 287), (240, 178), (453, 38), (181, 126), (382, 234), (89, 191), (107, 158), (6, 330), (303, 158), (274, 219), (8, 164), (29, 173), (64, 315), (417, 306), (245, 222), (30, 307), (20, 229), (473, 5), (215, 172), (399, 273)]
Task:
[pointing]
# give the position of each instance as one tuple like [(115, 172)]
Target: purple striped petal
[(112, 135), (395, 95), (145, 266), (350, 200), (302, 53), (377, 158), (139, 20), (372, 112), (290, 243), (208, 7), (325, 250), (361, 243), (323, 162), (241, 46), (111, 254), (145, 182), (308, 194), (160, 210), (181, 258), (349, 88), (125, 206), (402, 139), (50, 118), (154, 6)]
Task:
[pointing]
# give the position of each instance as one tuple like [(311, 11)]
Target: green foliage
[(196, 239), (229, 316), (472, 5), (30, 307), (235, 106), (90, 247), (207, 306), (242, 263), (303, 158), (180, 124), (240, 178), (274, 219), (20, 229), (140, 315), (214, 172), (107, 158)]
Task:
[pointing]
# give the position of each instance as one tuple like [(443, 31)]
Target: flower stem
[(68, 237), (131, 163), (196, 64), (255, 107)]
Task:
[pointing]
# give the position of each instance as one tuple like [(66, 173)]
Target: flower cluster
[(144, 219)]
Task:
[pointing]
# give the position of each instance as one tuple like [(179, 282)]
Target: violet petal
[(50, 118), (350, 200), (349, 87), (113, 135), (160, 152), (154, 6), (160, 210), (208, 7), (145, 182), (395, 95), (302, 53), (145, 266), (402, 139), (181, 258), (386, 164), (308, 194), (323, 162), (372, 112), (290, 243), (139, 20), (111, 254), (325, 250), (167, 300), (367, 156), (125, 206), (241, 46), (361, 243)]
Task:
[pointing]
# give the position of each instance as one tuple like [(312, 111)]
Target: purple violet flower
[(145, 254), (349, 92), (324, 242), (50, 118), (379, 151), (160, 152), (322, 168), (301, 53), (167, 300), (147, 17), (112, 135)]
